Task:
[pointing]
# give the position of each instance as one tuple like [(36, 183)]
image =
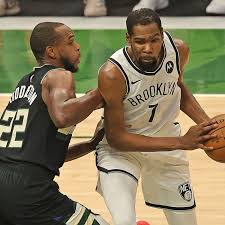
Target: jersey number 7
[(153, 107)]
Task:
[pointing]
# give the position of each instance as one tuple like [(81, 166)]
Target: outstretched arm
[(189, 104), (78, 150), (81, 149)]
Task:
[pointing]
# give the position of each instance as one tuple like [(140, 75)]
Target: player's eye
[(155, 40), (139, 41)]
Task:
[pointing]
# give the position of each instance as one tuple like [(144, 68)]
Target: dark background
[(115, 7)]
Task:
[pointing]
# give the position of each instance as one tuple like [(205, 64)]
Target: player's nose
[(148, 48)]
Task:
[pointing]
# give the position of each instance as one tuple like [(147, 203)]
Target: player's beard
[(147, 66), (68, 65)]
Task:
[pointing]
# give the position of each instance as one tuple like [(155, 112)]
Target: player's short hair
[(142, 16), (42, 36)]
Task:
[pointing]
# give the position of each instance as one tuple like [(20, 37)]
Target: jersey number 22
[(17, 121)]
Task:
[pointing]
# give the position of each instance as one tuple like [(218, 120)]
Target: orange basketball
[(218, 154)]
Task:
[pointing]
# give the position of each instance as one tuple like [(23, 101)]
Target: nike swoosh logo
[(134, 82)]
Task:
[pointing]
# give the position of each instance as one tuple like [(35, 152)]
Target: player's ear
[(128, 39), (51, 52)]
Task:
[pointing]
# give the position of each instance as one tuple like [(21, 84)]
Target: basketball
[(218, 143), (142, 222)]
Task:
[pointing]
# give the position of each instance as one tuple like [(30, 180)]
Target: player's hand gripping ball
[(218, 143)]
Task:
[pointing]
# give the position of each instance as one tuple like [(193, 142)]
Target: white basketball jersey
[(152, 101), (153, 98)]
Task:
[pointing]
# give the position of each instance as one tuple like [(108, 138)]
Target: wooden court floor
[(78, 178)]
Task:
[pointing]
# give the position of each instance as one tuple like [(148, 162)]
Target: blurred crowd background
[(97, 8)]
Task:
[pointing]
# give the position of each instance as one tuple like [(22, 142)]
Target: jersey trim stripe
[(84, 218), (116, 170), (170, 207), (176, 51), (145, 72), (124, 74)]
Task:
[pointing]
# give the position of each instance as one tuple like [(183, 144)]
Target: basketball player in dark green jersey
[(35, 131)]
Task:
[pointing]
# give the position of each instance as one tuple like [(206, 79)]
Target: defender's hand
[(98, 135)]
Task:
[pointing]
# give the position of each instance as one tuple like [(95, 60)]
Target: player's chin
[(146, 66), (74, 69)]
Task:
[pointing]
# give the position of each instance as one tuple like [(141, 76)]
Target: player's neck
[(50, 62)]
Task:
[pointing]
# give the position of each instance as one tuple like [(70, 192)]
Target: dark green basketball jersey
[(27, 133)]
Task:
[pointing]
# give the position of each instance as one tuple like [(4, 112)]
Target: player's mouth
[(147, 60)]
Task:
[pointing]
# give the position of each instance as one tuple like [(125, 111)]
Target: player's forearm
[(76, 110), (78, 150), (139, 143), (191, 107)]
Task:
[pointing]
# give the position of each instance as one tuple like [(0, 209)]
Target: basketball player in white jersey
[(142, 85)]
